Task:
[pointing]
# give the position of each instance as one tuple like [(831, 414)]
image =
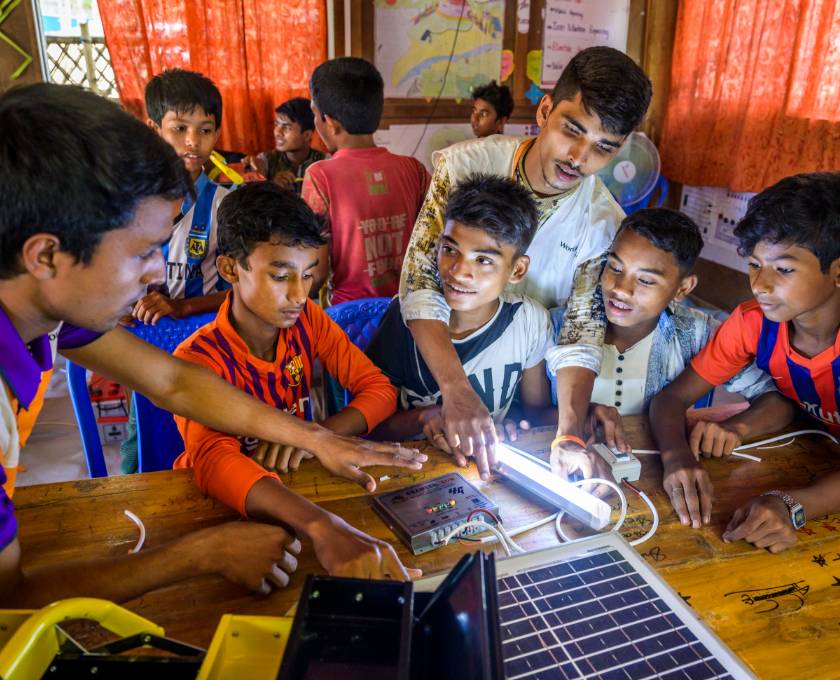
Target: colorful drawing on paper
[(414, 40)]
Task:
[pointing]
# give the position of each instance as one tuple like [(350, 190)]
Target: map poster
[(574, 25), (415, 38)]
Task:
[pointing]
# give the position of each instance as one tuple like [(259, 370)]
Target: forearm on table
[(269, 500), (117, 579), (574, 391), (820, 499), (769, 413)]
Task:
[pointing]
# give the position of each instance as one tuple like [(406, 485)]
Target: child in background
[(500, 338), (264, 340), (185, 108), (287, 163), (370, 196), (492, 106), (651, 338), (791, 234)]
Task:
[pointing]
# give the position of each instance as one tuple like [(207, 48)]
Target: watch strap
[(794, 506)]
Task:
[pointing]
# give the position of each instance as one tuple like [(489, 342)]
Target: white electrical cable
[(134, 518), (622, 515), (760, 445), (786, 435), (508, 544)]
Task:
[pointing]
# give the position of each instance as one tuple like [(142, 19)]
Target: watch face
[(797, 515)]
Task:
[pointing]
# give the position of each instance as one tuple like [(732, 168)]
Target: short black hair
[(263, 212), (498, 96), (802, 210), (611, 85), (75, 165), (298, 111), (497, 205), (182, 91), (667, 230), (349, 90)]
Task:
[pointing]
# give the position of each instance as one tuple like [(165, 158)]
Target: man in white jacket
[(599, 99)]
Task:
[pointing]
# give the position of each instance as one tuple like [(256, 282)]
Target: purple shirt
[(21, 367)]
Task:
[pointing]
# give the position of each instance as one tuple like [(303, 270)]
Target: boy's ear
[(228, 268), (307, 136), (333, 126), (686, 286), (520, 268), (834, 270), (544, 109), (38, 255), (501, 122), (152, 125)]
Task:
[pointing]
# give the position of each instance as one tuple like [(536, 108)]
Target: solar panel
[(595, 609)]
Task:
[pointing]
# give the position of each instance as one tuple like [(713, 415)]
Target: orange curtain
[(258, 53), (755, 92)]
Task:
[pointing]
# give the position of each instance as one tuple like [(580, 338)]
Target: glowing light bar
[(535, 477)]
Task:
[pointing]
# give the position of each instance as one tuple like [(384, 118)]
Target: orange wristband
[(560, 438)]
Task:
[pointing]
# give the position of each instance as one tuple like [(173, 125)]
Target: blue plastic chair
[(359, 319), (158, 440)]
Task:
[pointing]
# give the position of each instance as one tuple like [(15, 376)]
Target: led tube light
[(535, 476)]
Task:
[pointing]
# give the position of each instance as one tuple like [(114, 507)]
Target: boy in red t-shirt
[(264, 341), (791, 234), (370, 196)]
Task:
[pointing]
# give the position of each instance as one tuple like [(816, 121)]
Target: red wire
[(624, 481)]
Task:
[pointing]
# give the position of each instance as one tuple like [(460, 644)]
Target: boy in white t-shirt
[(500, 338)]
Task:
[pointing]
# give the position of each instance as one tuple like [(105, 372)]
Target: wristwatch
[(797, 512)]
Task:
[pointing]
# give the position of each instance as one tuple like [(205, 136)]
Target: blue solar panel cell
[(594, 616)]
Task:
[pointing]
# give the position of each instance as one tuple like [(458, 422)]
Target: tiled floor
[(54, 450)]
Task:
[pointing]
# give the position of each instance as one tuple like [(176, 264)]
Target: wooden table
[(779, 613)]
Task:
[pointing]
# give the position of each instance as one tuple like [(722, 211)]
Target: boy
[(500, 338), (185, 108), (369, 195), (492, 106), (600, 97), (791, 234), (56, 250), (293, 152), (650, 337), (264, 341)]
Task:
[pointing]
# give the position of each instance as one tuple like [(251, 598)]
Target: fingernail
[(294, 546), (484, 476)]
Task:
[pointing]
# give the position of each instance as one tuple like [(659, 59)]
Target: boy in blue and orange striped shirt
[(791, 234)]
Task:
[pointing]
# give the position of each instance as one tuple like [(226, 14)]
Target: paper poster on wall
[(523, 15), (420, 141), (573, 25), (717, 211), (414, 40)]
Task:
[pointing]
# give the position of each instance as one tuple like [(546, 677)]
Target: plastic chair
[(359, 319), (158, 440), (79, 397)]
